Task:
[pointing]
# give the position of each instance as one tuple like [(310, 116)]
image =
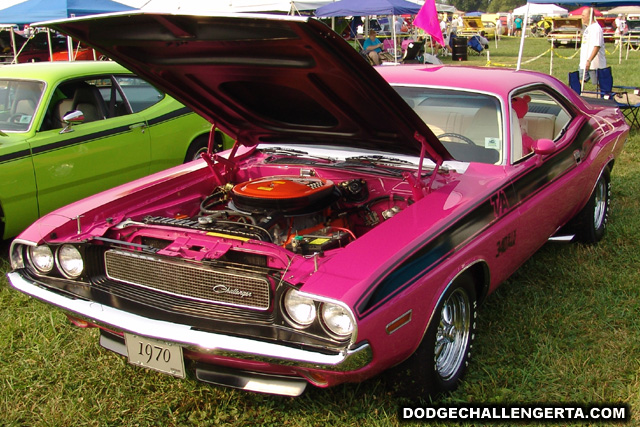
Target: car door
[(548, 188), (110, 147)]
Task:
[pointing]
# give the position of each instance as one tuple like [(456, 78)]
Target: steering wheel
[(458, 136), (16, 118)]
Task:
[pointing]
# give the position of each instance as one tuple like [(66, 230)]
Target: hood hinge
[(222, 168), (418, 186)]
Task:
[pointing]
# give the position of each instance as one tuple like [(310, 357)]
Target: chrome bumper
[(351, 359)]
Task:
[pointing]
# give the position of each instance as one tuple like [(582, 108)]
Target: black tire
[(442, 358), (591, 222), (200, 145)]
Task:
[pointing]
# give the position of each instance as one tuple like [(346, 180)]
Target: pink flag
[(427, 19)]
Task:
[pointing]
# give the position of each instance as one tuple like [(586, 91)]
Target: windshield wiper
[(300, 156), (379, 160)]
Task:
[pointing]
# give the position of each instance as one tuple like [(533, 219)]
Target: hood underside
[(263, 78)]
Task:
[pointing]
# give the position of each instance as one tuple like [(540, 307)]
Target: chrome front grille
[(192, 281)]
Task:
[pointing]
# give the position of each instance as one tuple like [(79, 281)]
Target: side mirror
[(71, 118), (544, 146)]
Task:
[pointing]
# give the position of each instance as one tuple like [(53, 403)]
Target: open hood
[(262, 78)]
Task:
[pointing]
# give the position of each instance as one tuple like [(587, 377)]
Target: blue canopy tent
[(370, 7), (46, 10)]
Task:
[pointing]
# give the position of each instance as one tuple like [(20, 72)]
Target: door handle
[(141, 126)]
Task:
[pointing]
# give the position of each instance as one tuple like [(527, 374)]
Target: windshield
[(469, 125), (19, 101)]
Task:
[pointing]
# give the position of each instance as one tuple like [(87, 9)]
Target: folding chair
[(474, 45), (414, 54), (624, 97)]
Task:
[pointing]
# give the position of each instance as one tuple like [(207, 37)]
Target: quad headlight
[(337, 319), (331, 316), (41, 258), (70, 261), (301, 309)]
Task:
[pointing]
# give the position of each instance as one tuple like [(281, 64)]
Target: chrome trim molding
[(350, 359)]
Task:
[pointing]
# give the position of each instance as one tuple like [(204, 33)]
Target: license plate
[(157, 355)]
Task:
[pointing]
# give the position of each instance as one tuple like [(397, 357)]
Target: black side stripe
[(15, 155), (91, 137), (454, 236), (169, 116), (80, 139)]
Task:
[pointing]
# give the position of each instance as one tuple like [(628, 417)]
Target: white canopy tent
[(541, 9), (199, 6)]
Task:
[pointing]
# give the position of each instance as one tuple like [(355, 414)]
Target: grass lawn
[(564, 329)]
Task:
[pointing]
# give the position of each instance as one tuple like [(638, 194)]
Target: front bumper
[(351, 359)]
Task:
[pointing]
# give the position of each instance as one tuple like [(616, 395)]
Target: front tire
[(592, 220), (200, 145), (442, 358)]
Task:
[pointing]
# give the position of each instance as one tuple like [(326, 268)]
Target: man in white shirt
[(592, 53)]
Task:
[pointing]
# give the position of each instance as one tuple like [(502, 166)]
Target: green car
[(72, 129)]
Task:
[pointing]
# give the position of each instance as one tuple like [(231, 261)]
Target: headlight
[(70, 261), (41, 258), (301, 309), (337, 319)]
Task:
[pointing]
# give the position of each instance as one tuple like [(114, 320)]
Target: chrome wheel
[(453, 334), (600, 206)]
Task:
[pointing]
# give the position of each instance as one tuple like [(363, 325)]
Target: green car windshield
[(19, 101)]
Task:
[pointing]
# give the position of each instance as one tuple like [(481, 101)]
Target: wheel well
[(479, 272)]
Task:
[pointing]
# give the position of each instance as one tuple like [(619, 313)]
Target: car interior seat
[(87, 98), (26, 101), (63, 107)]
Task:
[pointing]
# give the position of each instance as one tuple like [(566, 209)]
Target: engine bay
[(306, 211), (305, 215)]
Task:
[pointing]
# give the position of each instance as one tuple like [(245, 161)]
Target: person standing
[(498, 28), (517, 23), (592, 54), (454, 24)]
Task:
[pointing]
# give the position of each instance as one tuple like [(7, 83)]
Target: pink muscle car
[(359, 220)]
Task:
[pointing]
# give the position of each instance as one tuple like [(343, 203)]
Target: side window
[(91, 96), (140, 94), (535, 115)]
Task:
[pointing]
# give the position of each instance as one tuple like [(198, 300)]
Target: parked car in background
[(473, 25), (36, 48), (356, 224), (566, 31), (128, 129), (633, 30), (608, 24)]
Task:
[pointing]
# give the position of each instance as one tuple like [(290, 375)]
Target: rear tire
[(442, 358), (592, 220)]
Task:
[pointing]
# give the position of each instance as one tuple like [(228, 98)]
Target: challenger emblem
[(223, 289)]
